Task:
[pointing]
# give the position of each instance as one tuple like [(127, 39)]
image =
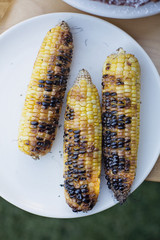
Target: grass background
[(137, 219)]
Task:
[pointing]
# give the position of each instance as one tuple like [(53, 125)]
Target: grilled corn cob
[(45, 92), (82, 144), (120, 121)]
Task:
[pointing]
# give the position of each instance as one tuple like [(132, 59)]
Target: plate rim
[(110, 15), (155, 155)]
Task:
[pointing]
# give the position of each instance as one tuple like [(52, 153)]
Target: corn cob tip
[(36, 157), (63, 25), (121, 196), (120, 51), (83, 74)]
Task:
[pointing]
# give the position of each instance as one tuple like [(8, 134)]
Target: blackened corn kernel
[(42, 87), (41, 81), (120, 120), (85, 141), (35, 123)]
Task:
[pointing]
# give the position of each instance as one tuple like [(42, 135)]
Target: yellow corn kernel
[(82, 146), (120, 118), (46, 92)]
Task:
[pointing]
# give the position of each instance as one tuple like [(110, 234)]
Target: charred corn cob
[(45, 92), (82, 144), (120, 121)]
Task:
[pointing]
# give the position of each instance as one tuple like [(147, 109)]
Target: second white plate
[(113, 11), (35, 185)]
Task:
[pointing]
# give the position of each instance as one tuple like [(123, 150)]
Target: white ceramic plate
[(35, 185), (112, 11)]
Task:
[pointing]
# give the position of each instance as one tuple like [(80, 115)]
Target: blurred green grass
[(137, 219)]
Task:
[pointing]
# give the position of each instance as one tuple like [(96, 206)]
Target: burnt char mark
[(47, 144), (128, 102), (48, 128), (108, 67), (110, 118), (41, 146), (120, 187), (119, 81), (121, 165), (49, 101), (121, 196), (41, 85), (49, 82), (112, 161), (58, 64), (108, 181), (50, 71), (128, 120), (39, 138), (65, 56), (127, 166), (35, 123), (57, 79), (41, 81), (45, 104), (104, 77), (79, 194), (46, 96), (60, 82), (75, 169), (85, 206), (69, 114), (77, 131), (56, 102), (108, 79), (67, 38), (48, 89), (110, 100), (42, 127), (50, 76), (64, 60)]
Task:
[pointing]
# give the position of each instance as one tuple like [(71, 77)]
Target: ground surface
[(138, 218)]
